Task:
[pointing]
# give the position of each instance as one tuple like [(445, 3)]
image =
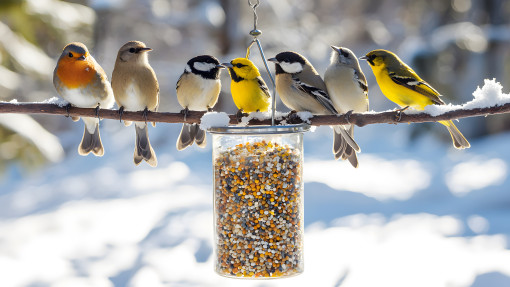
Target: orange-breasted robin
[(197, 89), (136, 89), (80, 80)]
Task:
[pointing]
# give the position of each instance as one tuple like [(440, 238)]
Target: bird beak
[(82, 57), (272, 60), (367, 59), (146, 49), (335, 48), (220, 66), (227, 65)]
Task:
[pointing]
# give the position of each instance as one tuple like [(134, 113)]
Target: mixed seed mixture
[(259, 210)]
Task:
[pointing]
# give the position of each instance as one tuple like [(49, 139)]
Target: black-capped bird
[(197, 89), (301, 88)]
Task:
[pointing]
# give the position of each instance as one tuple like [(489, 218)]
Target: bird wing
[(263, 86), (180, 79), (362, 81), (319, 95), (409, 79)]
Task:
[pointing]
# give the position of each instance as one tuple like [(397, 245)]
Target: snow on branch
[(488, 100)]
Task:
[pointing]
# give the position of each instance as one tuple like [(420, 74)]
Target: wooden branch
[(194, 117)]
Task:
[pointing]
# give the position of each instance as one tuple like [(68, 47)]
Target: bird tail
[(91, 141), (459, 141), (191, 133), (342, 135), (350, 155), (143, 148), (342, 150), (186, 137), (345, 136), (200, 137)]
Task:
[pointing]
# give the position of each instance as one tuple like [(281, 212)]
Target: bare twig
[(194, 117)]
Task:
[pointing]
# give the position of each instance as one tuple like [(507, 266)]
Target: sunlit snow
[(410, 215)]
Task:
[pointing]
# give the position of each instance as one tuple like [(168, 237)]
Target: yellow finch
[(197, 89), (249, 91), (347, 88), (401, 85), (302, 89)]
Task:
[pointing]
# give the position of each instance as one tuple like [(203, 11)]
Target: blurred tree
[(33, 32), (230, 28), (15, 148)]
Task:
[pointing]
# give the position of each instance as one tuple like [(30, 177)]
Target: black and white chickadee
[(197, 89)]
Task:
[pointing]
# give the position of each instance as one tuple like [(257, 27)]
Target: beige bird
[(197, 89), (301, 88), (80, 80), (347, 87), (136, 88)]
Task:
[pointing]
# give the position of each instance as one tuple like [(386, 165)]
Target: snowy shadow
[(493, 279)]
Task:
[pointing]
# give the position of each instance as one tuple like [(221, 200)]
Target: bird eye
[(132, 50), (345, 54), (70, 55), (239, 65)]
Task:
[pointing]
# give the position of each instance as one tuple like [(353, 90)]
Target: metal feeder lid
[(254, 130)]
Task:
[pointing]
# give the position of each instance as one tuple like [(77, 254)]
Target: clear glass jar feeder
[(258, 200)]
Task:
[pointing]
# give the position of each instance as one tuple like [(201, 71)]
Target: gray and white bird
[(136, 88), (301, 89), (348, 90), (197, 89)]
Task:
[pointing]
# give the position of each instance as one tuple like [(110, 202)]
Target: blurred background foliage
[(452, 44)]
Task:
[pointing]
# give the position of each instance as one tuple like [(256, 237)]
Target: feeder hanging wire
[(255, 33)]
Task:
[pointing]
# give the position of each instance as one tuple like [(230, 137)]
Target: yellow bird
[(401, 85), (249, 91)]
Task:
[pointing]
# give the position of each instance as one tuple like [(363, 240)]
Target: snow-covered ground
[(414, 214)]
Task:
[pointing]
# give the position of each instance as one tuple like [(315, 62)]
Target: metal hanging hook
[(255, 33)]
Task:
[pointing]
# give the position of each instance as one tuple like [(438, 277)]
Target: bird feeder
[(258, 195), (258, 200)]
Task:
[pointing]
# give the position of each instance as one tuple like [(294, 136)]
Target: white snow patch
[(491, 94), (214, 119), (262, 116), (104, 237), (478, 224), (160, 178), (56, 101), (476, 174), (376, 177), (146, 276), (305, 116), (255, 115), (369, 247)]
